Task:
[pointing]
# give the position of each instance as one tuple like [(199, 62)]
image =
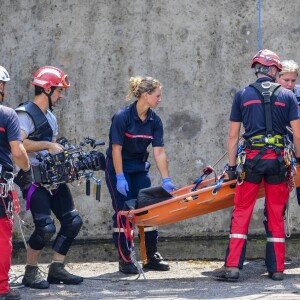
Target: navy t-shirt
[(133, 134), (9, 131), (297, 93), (248, 108)]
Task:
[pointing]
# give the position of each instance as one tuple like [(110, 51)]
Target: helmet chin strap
[(2, 93), (49, 98)]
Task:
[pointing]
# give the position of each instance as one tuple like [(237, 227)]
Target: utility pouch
[(145, 157)]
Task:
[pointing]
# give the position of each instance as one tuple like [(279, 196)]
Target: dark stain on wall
[(184, 125)]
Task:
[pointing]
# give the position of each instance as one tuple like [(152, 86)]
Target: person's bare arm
[(19, 155), (161, 160), (35, 146), (233, 142)]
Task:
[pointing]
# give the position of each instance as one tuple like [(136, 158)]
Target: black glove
[(298, 160), (231, 172), (24, 179)]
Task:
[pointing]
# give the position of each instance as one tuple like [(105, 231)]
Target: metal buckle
[(266, 84)]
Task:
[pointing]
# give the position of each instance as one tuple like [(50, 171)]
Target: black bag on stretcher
[(146, 197)]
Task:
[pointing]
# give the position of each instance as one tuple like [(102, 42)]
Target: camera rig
[(74, 163)]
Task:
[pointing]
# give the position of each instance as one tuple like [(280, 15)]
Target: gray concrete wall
[(199, 49)]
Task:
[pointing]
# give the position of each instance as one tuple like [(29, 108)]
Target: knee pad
[(71, 223), (44, 230)]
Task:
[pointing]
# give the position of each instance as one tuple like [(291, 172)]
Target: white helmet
[(4, 76)]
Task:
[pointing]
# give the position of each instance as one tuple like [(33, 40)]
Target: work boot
[(33, 278), (227, 273), (58, 274), (219, 272), (156, 262), (127, 268), (11, 295), (277, 276)]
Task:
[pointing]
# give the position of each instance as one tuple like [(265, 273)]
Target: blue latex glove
[(168, 185), (122, 185)]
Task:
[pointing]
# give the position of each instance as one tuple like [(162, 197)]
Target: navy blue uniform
[(248, 108), (134, 135), (297, 93), (9, 131)]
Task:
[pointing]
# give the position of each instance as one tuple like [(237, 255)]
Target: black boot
[(156, 262), (58, 274), (33, 278), (127, 268), (11, 295), (277, 276)]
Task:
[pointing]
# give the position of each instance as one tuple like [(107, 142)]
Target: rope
[(259, 25), (288, 220)]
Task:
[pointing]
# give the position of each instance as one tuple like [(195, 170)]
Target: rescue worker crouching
[(264, 109), (39, 131), (133, 129)]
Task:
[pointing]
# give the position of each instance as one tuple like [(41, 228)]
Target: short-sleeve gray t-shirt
[(27, 125)]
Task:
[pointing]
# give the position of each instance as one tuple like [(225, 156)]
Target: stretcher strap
[(127, 228), (220, 180)]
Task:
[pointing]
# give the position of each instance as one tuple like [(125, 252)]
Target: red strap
[(16, 204), (128, 231)]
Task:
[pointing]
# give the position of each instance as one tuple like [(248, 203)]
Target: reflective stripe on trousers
[(244, 202), (237, 236), (146, 229), (275, 240)]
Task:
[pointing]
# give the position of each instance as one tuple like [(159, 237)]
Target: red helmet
[(48, 76), (267, 58)]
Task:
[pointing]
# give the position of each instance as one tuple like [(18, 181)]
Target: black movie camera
[(74, 163)]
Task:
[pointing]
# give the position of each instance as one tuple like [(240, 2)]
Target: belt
[(262, 140)]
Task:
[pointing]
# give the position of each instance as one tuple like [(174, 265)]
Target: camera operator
[(39, 131), (10, 146)]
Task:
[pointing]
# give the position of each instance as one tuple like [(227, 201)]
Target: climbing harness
[(270, 140), (240, 171)]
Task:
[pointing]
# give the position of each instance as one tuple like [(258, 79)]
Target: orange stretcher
[(186, 204)]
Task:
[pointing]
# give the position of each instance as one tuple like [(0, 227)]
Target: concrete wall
[(199, 49)]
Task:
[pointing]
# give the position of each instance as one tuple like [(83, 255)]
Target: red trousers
[(244, 201), (6, 226)]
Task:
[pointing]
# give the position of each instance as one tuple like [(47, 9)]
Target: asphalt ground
[(187, 279)]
